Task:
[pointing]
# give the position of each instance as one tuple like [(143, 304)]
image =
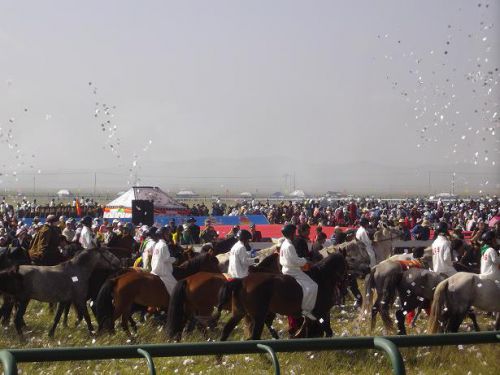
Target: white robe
[(362, 235), (490, 263), (442, 260), (291, 264), (239, 260), (147, 252), (161, 265), (87, 238)]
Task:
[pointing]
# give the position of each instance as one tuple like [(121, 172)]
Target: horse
[(358, 262), (382, 241), (224, 245), (11, 281), (197, 295), (142, 288), (66, 282), (259, 295), (416, 291), (454, 297)]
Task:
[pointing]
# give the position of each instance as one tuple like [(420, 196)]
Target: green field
[(478, 359)]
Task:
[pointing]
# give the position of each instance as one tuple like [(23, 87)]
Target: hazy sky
[(357, 95)]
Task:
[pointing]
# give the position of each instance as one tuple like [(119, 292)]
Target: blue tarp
[(200, 220)]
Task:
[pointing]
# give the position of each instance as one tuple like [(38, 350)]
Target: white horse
[(382, 241), (454, 296)]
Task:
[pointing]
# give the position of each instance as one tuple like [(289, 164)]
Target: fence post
[(149, 360), (398, 366), (9, 362), (273, 355)]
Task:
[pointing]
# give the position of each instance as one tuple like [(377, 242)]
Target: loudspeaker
[(143, 212)]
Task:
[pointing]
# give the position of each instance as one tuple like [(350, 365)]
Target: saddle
[(407, 264)]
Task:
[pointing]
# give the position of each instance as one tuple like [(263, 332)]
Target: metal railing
[(389, 344)]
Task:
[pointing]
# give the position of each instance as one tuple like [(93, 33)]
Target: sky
[(229, 96)]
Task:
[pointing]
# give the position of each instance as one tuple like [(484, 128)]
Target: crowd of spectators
[(466, 214)]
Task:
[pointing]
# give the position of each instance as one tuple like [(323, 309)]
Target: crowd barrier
[(389, 344)]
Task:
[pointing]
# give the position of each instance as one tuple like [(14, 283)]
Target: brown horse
[(135, 286), (259, 295), (197, 295)]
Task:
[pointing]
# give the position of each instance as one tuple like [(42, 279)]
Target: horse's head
[(11, 281), (206, 262), (270, 264), (332, 268), (107, 260), (356, 256)]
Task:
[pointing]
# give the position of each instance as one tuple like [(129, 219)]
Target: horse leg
[(125, 317), (497, 323), (132, 323), (258, 325), (400, 318), (67, 308), (472, 315), (6, 310), (454, 322), (19, 319), (375, 310), (61, 307), (82, 309), (229, 326), (353, 286), (269, 324), (326, 326)]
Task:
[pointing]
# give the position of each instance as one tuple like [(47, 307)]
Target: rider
[(442, 259), (44, 249), (301, 242), (292, 264), (362, 235), (161, 261), (490, 261), (239, 259), (87, 237), (147, 248)]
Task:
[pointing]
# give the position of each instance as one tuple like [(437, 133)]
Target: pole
[(34, 186), (429, 183), (95, 183), (453, 183)]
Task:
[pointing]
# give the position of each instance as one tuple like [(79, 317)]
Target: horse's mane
[(269, 263), (223, 246), (194, 264), (327, 263)]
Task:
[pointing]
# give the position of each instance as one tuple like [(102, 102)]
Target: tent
[(63, 193), (186, 194), (298, 194), (163, 204)]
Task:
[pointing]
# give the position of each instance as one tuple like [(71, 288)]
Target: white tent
[(163, 204), (298, 194), (186, 194), (246, 194), (63, 193)]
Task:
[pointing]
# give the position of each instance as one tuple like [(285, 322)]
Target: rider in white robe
[(362, 235), (490, 261), (442, 259), (292, 264), (239, 259), (161, 262)]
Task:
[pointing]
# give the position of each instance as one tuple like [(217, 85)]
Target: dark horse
[(261, 294), (118, 295), (196, 296), (65, 283)]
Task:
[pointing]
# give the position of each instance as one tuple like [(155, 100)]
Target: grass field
[(471, 359)]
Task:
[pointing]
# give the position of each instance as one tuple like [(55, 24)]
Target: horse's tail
[(438, 306), (176, 313), (225, 295), (369, 287), (104, 305)]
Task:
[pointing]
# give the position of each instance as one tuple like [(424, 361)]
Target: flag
[(78, 208)]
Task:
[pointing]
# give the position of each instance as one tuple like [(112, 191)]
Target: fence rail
[(389, 344)]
